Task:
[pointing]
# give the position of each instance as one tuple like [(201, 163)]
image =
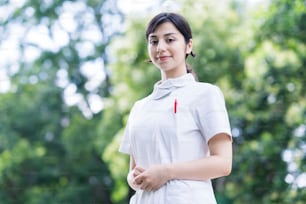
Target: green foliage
[(272, 121), (44, 157), (48, 150), (51, 153), (285, 21)]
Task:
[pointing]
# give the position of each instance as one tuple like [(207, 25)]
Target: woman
[(178, 137)]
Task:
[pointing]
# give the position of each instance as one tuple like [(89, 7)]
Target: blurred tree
[(51, 153), (269, 118), (55, 57)]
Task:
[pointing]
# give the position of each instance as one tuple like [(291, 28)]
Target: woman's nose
[(160, 46)]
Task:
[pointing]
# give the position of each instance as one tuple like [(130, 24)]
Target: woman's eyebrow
[(165, 35)]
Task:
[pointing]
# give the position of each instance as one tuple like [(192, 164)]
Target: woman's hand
[(151, 179), (131, 181)]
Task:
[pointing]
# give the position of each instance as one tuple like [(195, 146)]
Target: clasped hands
[(150, 179)]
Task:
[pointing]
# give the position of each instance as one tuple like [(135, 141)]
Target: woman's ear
[(189, 47)]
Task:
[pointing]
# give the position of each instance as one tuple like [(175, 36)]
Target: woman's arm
[(132, 163), (131, 174), (218, 164)]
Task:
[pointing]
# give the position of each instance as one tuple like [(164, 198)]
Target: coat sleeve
[(125, 145), (212, 114)]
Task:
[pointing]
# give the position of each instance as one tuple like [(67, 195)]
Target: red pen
[(175, 106)]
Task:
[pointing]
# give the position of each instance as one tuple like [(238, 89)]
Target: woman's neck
[(165, 75)]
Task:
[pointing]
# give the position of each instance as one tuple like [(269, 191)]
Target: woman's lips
[(163, 58)]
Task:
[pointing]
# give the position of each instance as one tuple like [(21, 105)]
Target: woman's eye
[(153, 42), (169, 40)]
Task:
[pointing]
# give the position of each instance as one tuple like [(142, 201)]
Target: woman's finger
[(137, 170), (138, 180)]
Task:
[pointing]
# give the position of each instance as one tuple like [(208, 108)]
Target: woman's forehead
[(164, 29)]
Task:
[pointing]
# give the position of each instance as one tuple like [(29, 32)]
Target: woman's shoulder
[(205, 87), (140, 102)]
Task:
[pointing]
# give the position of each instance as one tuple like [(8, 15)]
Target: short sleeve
[(212, 114), (125, 146)]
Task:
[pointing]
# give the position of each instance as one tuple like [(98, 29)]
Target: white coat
[(174, 124)]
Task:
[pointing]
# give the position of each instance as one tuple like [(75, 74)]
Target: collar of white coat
[(165, 87)]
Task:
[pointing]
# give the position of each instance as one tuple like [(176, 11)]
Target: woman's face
[(167, 50)]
